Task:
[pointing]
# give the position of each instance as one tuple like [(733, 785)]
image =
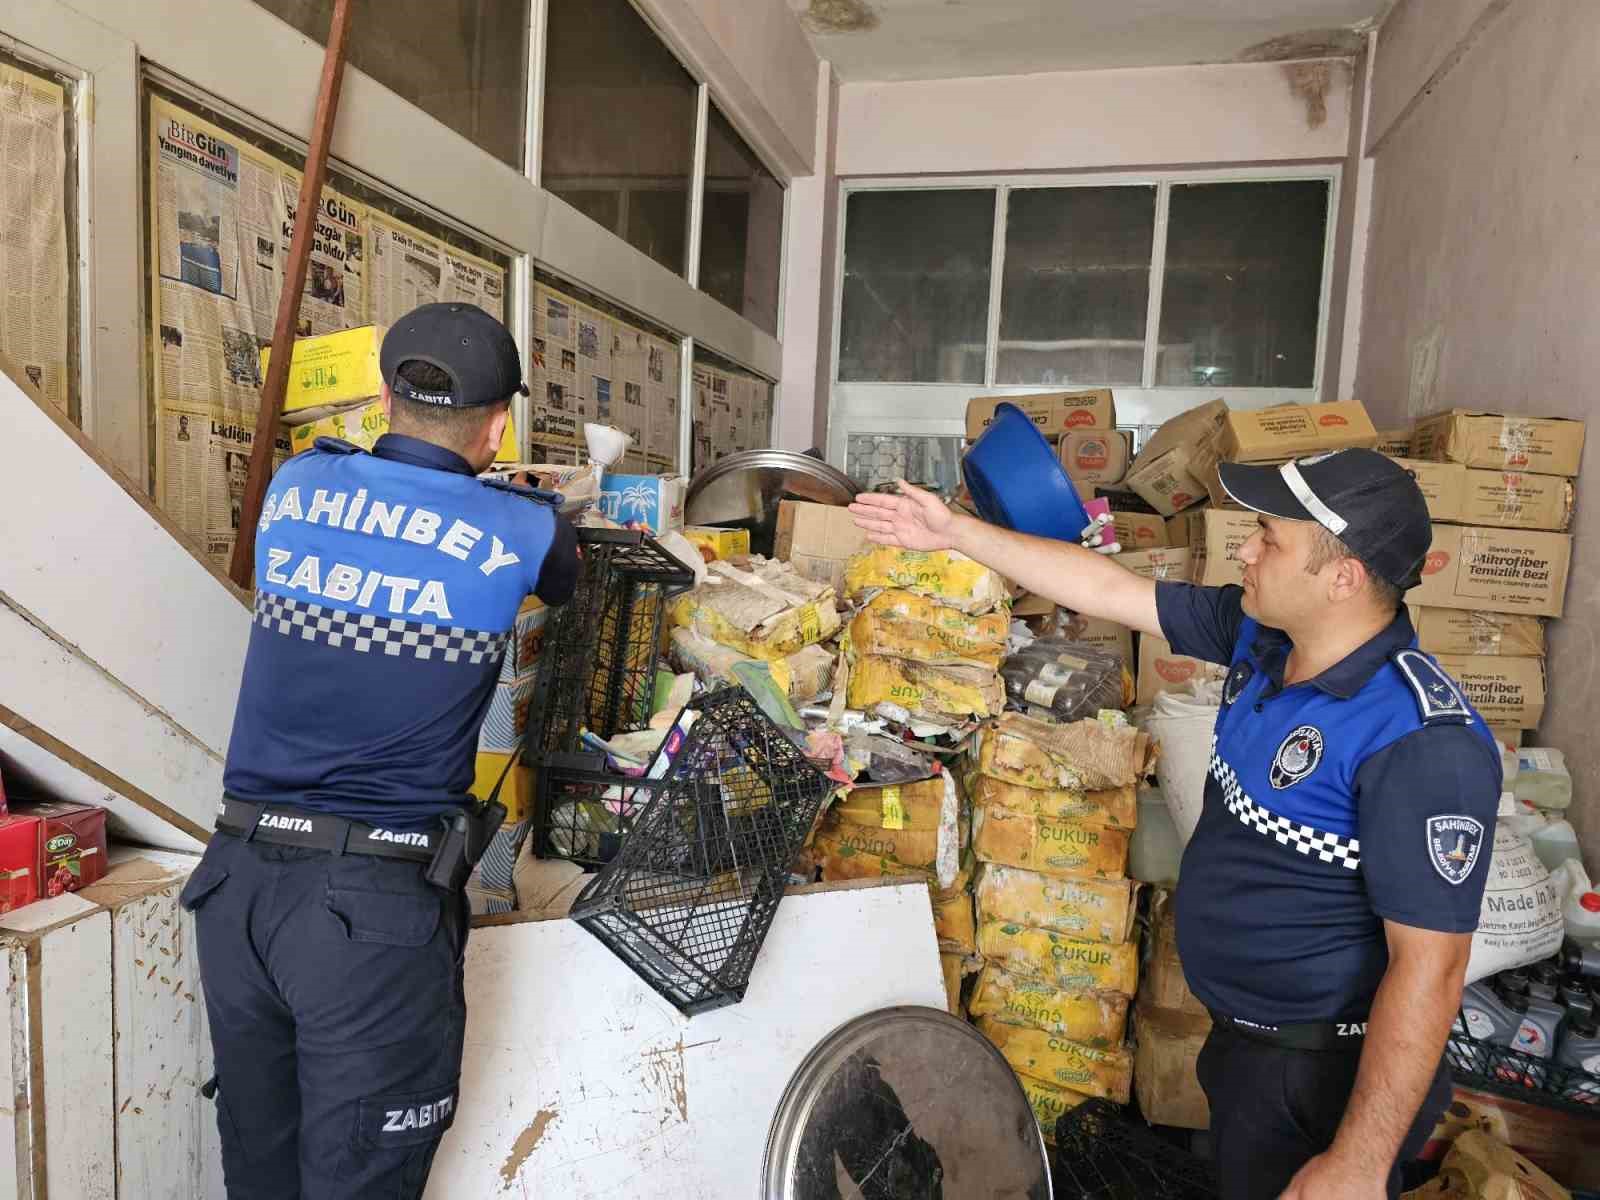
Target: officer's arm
[(1411, 1017), (558, 573)]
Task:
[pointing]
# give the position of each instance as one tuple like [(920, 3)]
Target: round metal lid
[(746, 487), (905, 1103)]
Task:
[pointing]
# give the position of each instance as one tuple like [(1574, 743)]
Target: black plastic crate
[(1487, 1067), (689, 898), (598, 673), (1103, 1154)]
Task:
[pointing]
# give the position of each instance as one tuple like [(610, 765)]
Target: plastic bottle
[(1486, 1016), (1540, 1026), (1581, 956), (1554, 843), (1542, 777), (1544, 981), (1580, 1051)]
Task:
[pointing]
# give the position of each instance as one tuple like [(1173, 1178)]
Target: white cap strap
[(1326, 517)]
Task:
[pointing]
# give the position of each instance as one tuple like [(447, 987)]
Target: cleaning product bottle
[(1581, 956), (1542, 777), (1579, 1051), (1554, 843), (1540, 1027), (1512, 982), (1485, 1016), (1582, 909), (1544, 980)]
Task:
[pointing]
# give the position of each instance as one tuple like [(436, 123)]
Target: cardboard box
[(654, 501), (517, 791), (1053, 412), (1396, 443), (1163, 984), (1516, 500), (1214, 554), (1495, 570), (1160, 670), (1443, 486), (21, 848), (331, 369), (817, 540), (1164, 1077), (1156, 564), (1180, 530), (1292, 430), (1463, 631), (1505, 690), (1098, 456), (1139, 531), (1160, 474), (1095, 631), (717, 544), (1547, 445), (72, 844), (363, 424)]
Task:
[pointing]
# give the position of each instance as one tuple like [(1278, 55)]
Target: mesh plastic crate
[(1519, 1076), (1102, 1154), (689, 899), (598, 674)]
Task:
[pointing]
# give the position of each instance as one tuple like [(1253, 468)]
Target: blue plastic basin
[(1017, 481)]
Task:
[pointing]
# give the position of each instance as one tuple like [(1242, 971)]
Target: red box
[(21, 850), (72, 848)]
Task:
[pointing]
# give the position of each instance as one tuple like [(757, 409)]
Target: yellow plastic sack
[(900, 624), (944, 575), (950, 965), (894, 806), (1090, 910), (1117, 807), (782, 635), (917, 849), (934, 693), (1091, 1070), (954, 924), (1067, 849), (1062, 962), (1049, 1102), (1092, 1018)]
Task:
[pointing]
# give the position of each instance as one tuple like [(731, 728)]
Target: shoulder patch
[(333, 445), (1438, 697)]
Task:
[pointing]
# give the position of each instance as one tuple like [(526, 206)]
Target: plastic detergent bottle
[(1542, 777), (1582, 911), (1540, 1026), (1581, 956), (1512, 983), (1486, 1016), (1554, 843), (1544, 980), (1580, 1051)]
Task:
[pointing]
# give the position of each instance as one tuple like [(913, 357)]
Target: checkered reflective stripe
[(1328, 847), (368, 634)]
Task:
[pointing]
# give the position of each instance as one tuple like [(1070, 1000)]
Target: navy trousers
[(1274, 1109), (333, 985)]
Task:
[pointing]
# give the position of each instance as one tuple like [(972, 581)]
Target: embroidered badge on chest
[(1453, 845), (1297, 756), (1236, 681)]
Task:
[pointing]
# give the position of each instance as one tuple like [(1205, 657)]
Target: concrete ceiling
[(941, 39)]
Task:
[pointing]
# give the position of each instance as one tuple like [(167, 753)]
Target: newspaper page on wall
[(587, 365), (732, 413), (33, 254), (410, 267), (222, 217)]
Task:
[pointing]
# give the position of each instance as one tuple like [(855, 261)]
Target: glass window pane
[(462, 62), (1243, 284), (619, 115), (916, 285), (930, 461), (741, 230), (1076, 285)]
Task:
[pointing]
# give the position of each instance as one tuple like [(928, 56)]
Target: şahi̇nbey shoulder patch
[(1438, 698), (1453, 845)]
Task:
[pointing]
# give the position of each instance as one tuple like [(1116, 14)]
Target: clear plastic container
[(1542, 779), (1555, 843), (1582, 909)]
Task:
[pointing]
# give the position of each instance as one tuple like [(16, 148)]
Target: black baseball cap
[(464, 342), (1370, 503)]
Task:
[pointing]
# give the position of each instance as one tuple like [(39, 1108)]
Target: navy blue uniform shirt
[(1363, 795), (387, 586)]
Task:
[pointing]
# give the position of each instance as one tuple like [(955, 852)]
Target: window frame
[(904, 407)]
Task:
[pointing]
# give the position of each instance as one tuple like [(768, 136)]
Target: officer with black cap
[(329, 905), (1327, 898)]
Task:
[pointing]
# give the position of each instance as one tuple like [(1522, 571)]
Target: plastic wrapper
[(1116, 807), (895, 806), (1088, 1070), (944, 575), (954, 924), (1066, 849), (932, 693), (803, 675), (1062, 962), (1092, 1018), (857, 852), (901, 624), (1090, 910), (1064, 680), (1086, 755), (768, 612), (885, 760)]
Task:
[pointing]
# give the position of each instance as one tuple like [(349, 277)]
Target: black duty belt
[(319, 831), (1322, 1035)]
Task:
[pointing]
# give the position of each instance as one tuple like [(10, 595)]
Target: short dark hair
[(1327, 547), (452, 428)]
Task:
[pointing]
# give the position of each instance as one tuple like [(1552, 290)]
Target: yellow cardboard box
[(363, 424), (517, 792), (717, 544), (332, 368), (1060, 961), (1091, 1070), (1065, 849), (1091, 910), (1116, 807), (1090, 1018)]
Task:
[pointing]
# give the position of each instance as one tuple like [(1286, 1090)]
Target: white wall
[(807, 297)]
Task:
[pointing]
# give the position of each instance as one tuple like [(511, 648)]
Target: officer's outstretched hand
[(914, 520), (1328, 1177)]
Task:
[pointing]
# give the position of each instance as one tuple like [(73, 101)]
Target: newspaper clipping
[(732, 413), (33, 260), (410, 267)]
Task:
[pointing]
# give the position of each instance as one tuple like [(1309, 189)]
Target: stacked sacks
[(927, 643), (1053, 807)]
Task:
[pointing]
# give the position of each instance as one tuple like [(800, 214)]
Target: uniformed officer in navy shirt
[(1328, 896), (387, 586)]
